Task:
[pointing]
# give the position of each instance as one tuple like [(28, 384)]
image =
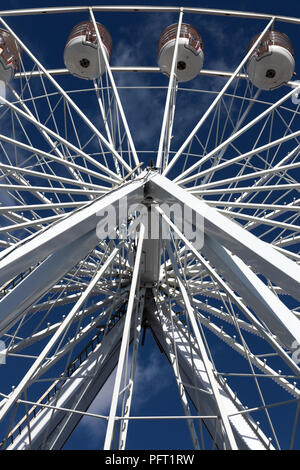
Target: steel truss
[(202, 251)]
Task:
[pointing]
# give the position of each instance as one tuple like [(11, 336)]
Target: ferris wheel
[(182, 222)]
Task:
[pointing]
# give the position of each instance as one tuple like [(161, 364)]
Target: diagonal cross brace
[(253, 251), (62, 233), (274, 314)]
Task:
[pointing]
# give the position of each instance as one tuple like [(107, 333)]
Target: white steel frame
[(60, 169)]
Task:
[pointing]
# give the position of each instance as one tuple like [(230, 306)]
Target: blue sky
[(155, 387), (276, 7)]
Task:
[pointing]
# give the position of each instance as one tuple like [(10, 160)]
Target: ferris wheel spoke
[(43, 132), (77, 151), (71, 293), (65, 298), (241, 118), (280, 198), (253, 360), (125, 341), (41, 207), (107, 128), (193, 368), (50, 304), (115, 90), (273, 313), (238, 302), (261, 220), (55, 236), (257, 174), (68, 99), (215, 102), (293, 154), (293, 207), (164, 306), (167, 123), (257, 360), (77, 338), (43, 278), (262, 217), (65, 324), (169, 343), (246, 156), (128, 387), (19, 178), (47, 176), (224, 316), (287, 125), (258, 387), (61, 156), (160, 308), (249, 102), (48, 189), (249, 189), (106, 306), (48, 204), (265, 218), (96, 358), (37, 223), (278, 212), (217, 281), (249, 357), (286, 218), (214, 292), (287, 241), (231, 442), (238, 134), (225, 231)]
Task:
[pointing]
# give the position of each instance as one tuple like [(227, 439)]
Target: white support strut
[(71, 228), (228, 433), (253, 251), (269, 308), (246, 433), (76, 393), (125, 342), (64, 325)]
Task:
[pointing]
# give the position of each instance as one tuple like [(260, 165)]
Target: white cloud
[(151, 378)]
